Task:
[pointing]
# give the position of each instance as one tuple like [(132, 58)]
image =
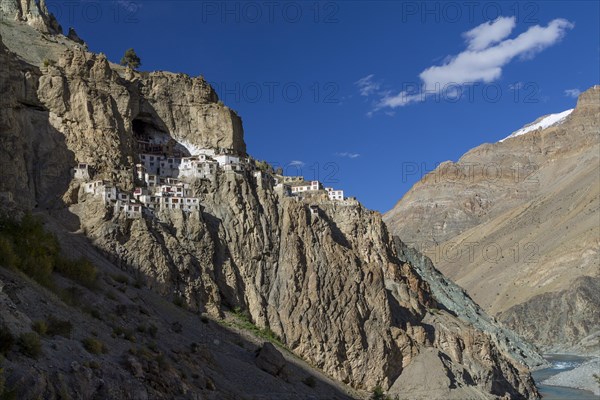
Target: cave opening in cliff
[(142, 129)]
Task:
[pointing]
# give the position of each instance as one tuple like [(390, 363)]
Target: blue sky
[(359, 94)]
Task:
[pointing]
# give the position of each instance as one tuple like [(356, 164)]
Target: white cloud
[(572, 92), (296, 163), (348, 155), (485, 65), (367, 86), (487, 53), (488, 33)]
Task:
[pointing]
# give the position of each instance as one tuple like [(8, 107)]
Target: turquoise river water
[(561, 363)]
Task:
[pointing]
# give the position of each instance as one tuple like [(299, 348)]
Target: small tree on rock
[(131, 59)]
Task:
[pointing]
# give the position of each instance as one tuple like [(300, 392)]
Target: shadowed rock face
[(332, 286), (527, 232)]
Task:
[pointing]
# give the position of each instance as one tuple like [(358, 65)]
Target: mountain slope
[(324, 276), (516, 222)]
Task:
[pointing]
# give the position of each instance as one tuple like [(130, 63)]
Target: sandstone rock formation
[(516, 224), (330, 285), (35, 13), (78, 107)]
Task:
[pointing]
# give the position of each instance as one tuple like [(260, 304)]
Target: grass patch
[(94, 346), (27, 247), (30, 344), (48, 62), (93, 312), (242, 321), (127, 334), (40, 327), (81, 271)]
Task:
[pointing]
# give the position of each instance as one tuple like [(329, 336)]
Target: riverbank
[(581, 377), (569, 378)]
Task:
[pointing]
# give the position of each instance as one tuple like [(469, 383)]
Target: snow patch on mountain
[(542, 123)]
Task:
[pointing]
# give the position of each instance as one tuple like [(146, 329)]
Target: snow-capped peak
[(542, 123)]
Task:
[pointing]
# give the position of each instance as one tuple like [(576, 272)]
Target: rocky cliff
[(516, 224), (74, 104), (32, 12), (328, 282)]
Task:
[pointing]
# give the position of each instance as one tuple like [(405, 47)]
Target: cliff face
[(516, 224), (34, 13), (330, 285), (34, 158), (188, 109), (73, 106)]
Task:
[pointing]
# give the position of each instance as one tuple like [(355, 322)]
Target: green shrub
[(30, 344), (7, 340), (58, 327), (94, 346), (378, 394), (81, 271), (141, 352), (48, 62), (29, 248), (119, 331), (40, 327), (26, 246), (243, 321)]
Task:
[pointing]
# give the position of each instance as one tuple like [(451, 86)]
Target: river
[(561, 363)]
